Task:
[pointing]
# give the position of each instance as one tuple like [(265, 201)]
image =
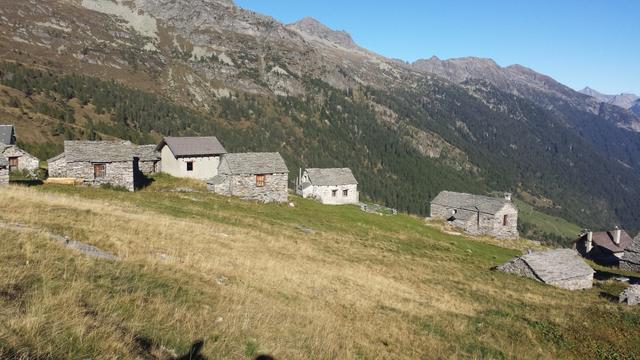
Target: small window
[(99, 171), (345, 192), (334, 193), (505, 220), (13, 163), (260, 180), (189, 165)]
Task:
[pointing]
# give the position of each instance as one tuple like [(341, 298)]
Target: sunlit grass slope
[(301, 282)]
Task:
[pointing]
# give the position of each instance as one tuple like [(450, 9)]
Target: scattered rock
[(292, 205), (631, 295), (304, 229), (219, 319), (221, 280)]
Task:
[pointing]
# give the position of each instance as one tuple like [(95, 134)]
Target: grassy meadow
[(231, 279)]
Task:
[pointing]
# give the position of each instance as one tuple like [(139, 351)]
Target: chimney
[(589, 243), (616, 235), (507, 196)]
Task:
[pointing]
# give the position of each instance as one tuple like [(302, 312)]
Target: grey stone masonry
[(477, 214), (245, 186), (25, 161), (631, 259), (563, 268), (4, 170), (631, 295), (57, 166), (252, 176), (116, 173)]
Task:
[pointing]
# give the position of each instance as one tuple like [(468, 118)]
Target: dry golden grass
[(246, 280)]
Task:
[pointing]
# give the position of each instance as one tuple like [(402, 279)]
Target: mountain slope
[(625, 101), (209, 67)]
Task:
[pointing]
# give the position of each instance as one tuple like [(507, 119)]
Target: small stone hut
[(604, 247), (332, 186), (4, 170), (19, 159), (563, 268), (191, 157), (631, 259), (101, 162), (477, 214), (148, 159), (252, 176)]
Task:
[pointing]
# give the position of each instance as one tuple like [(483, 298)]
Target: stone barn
[(4, 170), (333, 186), (148, 159), (7, 135), (604, 247), (631, 259), (477, 214), (19, 160), (253, 176), (563, 268), (101, 162), (191, 157)]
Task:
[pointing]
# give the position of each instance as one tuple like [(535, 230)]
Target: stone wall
[(4, 175), (630, 261), (575, 283), (57, 168), (26, 161), (518, 267), (275, 188), (325, 194), (488, 224), (117, 174), (149, 167)]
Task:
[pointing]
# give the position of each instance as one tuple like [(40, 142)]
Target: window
[(505, 220), (260, 180), (334, 193), (99, 170), (345, 192), (189, 165), (13, 163)]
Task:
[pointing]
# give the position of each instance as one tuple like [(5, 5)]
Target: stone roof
[(605, 239), (192, 146), (56, 158), (254, 163), (331, 176), (554, 265), (217, 180), (471, 202), (98, 151), (634, 246), (3, 161), (147, 153), (7, 134)]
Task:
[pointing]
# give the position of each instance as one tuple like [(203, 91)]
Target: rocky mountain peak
[(624, 100), (309, 26)]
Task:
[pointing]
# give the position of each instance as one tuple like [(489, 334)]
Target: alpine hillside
[(142, 69)]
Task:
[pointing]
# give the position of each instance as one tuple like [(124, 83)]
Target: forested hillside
[(353, 128)]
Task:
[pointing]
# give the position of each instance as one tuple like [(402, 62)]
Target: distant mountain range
[(141, 69), (624, 100)]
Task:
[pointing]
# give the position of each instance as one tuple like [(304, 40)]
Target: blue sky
[(580, 43)]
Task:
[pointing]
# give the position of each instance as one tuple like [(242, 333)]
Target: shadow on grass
[(27, 182), (603, 275), (611, 298), (194, 352)]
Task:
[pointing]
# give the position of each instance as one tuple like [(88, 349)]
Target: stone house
[(100, 162), (605, 247), (252, 176), (191, 157), (7, 135), (562, 268), (148, 159), (477, 214), (332, 186), (630, 261), (4, 170), (19, 159)]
